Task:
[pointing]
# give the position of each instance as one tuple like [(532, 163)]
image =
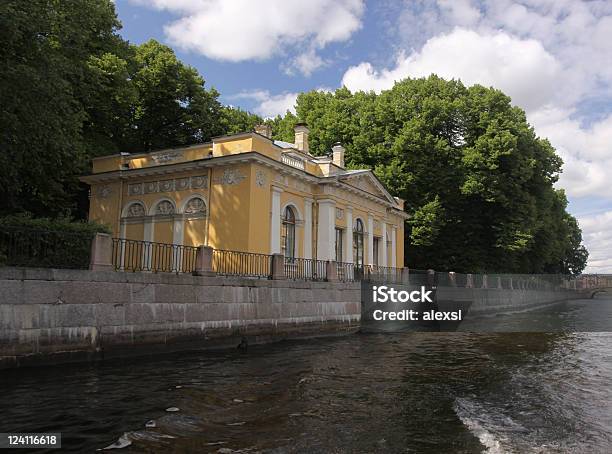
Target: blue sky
[(553, 57)]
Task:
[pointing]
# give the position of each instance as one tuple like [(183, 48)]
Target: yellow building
[(246, 192)]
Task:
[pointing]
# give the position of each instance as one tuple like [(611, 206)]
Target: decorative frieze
[(151, 187), (166, 185), (182, 184), (199, 182), (177, 184), (135, 189)]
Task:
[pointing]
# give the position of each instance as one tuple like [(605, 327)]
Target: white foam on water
[(472, 416), (122, 442)]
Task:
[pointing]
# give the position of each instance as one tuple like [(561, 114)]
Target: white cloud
[(241, 30), (269, 105), (520, 67), (586, 151), (306, 63), (597, 237)]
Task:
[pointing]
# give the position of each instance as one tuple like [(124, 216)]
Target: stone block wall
[(49, 315)]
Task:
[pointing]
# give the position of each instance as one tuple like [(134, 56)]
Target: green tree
[(173, 107), (45, 46), (235, 120), (71, 89), (477, 181)]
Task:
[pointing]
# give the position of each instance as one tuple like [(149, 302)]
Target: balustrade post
[(331, 271), (431, 278), (469, 281), (278, 266), (405, 275), (204, 261), (452, 278), (485, 284), (101, 258)]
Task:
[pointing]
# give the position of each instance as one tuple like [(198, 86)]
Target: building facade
[(246, 192)]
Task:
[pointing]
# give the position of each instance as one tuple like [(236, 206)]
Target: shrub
[(46, 243)]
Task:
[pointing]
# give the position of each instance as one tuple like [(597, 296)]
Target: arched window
[(358, 243), (288, 233)]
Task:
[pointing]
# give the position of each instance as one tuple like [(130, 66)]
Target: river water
[(383, 392)]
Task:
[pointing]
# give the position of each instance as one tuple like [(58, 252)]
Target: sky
[(553, 57)]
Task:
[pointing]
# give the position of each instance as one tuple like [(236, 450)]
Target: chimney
[(301, 137), (338, 154), (264, 130)]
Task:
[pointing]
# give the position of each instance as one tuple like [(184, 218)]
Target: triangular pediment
[(367, 182)]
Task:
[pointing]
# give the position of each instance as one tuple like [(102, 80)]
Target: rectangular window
[(339, 245), (375, 247)]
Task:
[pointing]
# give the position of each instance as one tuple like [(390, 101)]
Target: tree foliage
[(71, 89), (477, 181)]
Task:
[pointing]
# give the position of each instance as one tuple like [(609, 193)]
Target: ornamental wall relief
[(164, 208), (135, 210), (195, 206), (104, 192), (260, 178), (230, 177), (339, 213)]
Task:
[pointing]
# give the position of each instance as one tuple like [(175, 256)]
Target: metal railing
[(22, 246), (246, 264), (292, 161), (348, 272), (305, 269), (136, 255), (383, 273)]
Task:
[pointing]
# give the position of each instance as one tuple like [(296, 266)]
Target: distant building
[(246, 192)]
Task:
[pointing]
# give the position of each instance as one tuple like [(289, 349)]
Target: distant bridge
[(595, 283)]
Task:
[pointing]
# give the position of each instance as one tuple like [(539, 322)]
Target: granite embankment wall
[(499, 300), (51, 316)]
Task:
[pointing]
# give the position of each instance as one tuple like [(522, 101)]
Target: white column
[(383, 261), (347, 254), (122, 236), (275, 221), (149, 235), (326, 230), (177, 239), (393, 248), (370, 259), (308, 228), (177, 231)]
